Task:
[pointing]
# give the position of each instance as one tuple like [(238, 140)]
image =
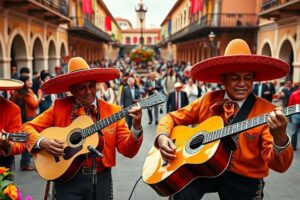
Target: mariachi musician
[(81, 81)]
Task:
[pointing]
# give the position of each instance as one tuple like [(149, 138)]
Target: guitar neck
[(106, 122), (244, 125)]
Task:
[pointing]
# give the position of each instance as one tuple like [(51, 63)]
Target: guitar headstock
[(152, 100), (16, 137)]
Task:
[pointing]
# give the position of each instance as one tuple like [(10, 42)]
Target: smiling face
[(238, 85), (85, 93)]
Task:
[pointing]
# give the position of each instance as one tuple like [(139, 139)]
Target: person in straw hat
[(257, 150), (10, 121), (81, 81)]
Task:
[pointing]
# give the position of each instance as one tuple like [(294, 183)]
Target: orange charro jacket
[(255, 153), (117, 136), (10, 121)]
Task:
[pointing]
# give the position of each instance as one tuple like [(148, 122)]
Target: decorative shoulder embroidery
[(250, 137), (109, 130)]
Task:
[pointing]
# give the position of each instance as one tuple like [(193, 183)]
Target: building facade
[(131, 37), (192, 37), (33, 34), (93, 35), (279, 33)]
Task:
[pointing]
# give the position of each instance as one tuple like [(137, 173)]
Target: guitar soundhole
[(196, 142), (75, 138)]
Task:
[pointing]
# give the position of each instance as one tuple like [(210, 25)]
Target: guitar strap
[(243, 113)]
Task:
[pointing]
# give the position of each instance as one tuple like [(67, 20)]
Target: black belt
[(89, 170)]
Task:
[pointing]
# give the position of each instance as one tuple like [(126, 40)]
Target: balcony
[(48, 10), (217, 22), (83, 27), (279, 8)]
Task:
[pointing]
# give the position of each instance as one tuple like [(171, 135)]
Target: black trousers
[(230, 186), (80, 187)]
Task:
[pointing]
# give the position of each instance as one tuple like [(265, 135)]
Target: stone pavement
[(278, 186)]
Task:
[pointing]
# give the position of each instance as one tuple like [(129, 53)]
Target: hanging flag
[(163, 33), (87, 7), (135, 39), (196, 6), (94, 4), (169, 27), (108, 23)]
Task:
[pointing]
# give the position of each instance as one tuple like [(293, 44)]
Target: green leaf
[(5, 183)]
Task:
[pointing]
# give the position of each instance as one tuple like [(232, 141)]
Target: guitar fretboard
[(105, 122), (244, 125)]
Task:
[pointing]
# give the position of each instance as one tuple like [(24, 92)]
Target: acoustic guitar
[(80, 134), (200, 152)]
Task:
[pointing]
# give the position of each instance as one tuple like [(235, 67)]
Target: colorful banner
[(135, 40), (169, 28), (94, 4), (108, 23), (87, 7), (196, 6)]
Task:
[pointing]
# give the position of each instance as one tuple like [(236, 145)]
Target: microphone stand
[(95, 153)]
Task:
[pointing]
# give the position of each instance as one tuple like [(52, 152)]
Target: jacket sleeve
[(30, 101), (279, 162), (38, 124), (127, 144), (14, 125)]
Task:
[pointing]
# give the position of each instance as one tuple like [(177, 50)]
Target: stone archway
[(38, 61), (52, 59), (286, 53), (18, 54), (2, 65), (266, 50), (63, 54)]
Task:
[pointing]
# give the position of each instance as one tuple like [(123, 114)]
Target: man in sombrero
[(81, 81), (258, 149), (10, 122)]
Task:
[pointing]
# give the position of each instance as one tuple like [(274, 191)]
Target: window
[(128, 40), (149, 40)]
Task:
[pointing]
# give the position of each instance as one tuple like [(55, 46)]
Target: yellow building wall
[(238, 6)]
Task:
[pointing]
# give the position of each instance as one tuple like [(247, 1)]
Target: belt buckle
[(86, 170)]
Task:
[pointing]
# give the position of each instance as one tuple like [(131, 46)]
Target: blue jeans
[(26, 156), (295, 119)]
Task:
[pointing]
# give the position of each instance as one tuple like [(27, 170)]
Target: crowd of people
[(42, 96)]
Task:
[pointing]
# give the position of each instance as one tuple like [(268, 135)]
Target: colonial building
[(33, 34), (279, 33), (93, 34), (191, 34), (131, 36)]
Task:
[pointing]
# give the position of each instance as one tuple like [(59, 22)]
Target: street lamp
[(211, 38), (141, 10)]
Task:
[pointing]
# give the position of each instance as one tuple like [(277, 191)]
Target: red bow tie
[(226, 109)]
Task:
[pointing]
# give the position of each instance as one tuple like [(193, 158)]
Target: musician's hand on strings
[(136, 114), (167, 147), (4, 143), (52, 146), (277, 123)]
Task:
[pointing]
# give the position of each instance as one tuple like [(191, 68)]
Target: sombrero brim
[(62, 83), (10, 84), (265, 68)]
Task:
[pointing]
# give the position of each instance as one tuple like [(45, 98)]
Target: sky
[(157, 10)]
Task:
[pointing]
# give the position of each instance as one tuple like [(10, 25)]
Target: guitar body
[(191, 162), (63, 168)]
